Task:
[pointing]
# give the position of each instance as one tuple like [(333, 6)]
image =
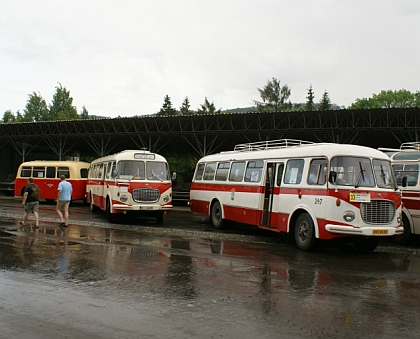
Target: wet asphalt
[(183, 279)]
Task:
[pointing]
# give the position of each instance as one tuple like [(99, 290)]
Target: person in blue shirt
[(65, 190)]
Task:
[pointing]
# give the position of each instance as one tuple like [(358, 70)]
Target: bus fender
[(212, 201), (296, 212), (406, 212)]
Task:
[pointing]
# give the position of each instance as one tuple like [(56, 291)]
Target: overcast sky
[(123, 57)]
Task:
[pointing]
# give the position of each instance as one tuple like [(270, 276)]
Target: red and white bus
[(406, 166), (309, 190), (46, 174), (134, 181)]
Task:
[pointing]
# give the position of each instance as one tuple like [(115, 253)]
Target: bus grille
[(378, 212), (146, 195)]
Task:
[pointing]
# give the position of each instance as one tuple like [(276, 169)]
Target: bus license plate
[(359, 197), (379, 231), (145, 207)]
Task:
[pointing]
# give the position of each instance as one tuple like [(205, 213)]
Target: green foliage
[(9, 117), (185, 107), (325, 102), (84, 114), (36, 109), (274, 97), (167, 109), (310, 106), (184, 167), (208, 108), (62, 107), (389, 99)]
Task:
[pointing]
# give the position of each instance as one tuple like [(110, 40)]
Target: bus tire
[(366, 244), (216, 215), (305, 232), (159, 218), (406, 237), (112, 217), (92, 207)]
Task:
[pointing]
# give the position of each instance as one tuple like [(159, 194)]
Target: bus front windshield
[(384, 175), (131, 169), (352, 171)]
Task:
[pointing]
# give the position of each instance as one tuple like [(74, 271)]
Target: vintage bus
[(310, 190), (406, 166), (134, 181), (46, 174)]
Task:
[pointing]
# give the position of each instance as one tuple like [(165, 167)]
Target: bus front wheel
[(112, 217), (216, 215), (305, 232)]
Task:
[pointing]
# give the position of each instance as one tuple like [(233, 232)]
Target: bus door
[(51, 183), (267, 207), (101, 183)]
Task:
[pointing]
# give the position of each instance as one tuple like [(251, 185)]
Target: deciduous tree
[(388, 99), (36, 108), (274, 97), (208, 108), (62, 107)]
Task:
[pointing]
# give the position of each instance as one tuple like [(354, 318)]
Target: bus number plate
[(145, 207), (379, 231), (359, 197)]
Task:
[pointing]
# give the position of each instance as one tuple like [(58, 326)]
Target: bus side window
[(294, 170), (63, 171), (253, 171), (280, 170), (39, 172), (100, 171), (26, 172), (113, 169), (209, 171), (50, 173), (222, 171), (237, 171), (199, 173), (317, 172), (108, 170)]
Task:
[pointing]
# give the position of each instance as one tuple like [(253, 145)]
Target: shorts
[(31, 206), (61, 203)]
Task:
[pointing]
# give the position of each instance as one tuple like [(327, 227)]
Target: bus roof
[(130, 155), (304, 150), (52, 163)]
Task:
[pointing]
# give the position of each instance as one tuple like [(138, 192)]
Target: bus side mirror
[(404, 182), (115, 174), (333, 177), (173, 176)]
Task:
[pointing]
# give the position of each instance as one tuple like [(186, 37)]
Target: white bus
[(134, 181), (311, 191), (406, 165)]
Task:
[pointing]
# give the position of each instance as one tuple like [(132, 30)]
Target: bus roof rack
[(272, 144), (410, 146)]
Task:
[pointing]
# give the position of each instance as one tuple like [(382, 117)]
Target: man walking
[(65, 190), (30, 202)]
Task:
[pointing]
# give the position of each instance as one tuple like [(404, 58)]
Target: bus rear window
[(26, 172), (83, 172)]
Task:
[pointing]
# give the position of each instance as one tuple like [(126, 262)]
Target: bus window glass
[(253, 171), (26, 172), (200, 171), (411, 171), (352, 171), (84, 173), (209, 171), (113, 169), (383, 174), (129, 169), (157, 170), (317, 172), (39, 172), (50, 173), (107, 170), (280, 170), (237, 171), (294, 170), (63, 171), (222, 171)]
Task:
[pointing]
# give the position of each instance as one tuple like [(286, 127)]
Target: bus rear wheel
[(92, 207), (216, 216), (305, 232)]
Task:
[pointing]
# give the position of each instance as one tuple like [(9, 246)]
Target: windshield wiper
[(361, 175)]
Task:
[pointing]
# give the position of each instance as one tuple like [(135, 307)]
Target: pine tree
[(309, 106), (167, 109), (185, 107), (325, 102)]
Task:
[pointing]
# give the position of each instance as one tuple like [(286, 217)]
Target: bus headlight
[(166, 198), (349, 216), (123, 198)]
